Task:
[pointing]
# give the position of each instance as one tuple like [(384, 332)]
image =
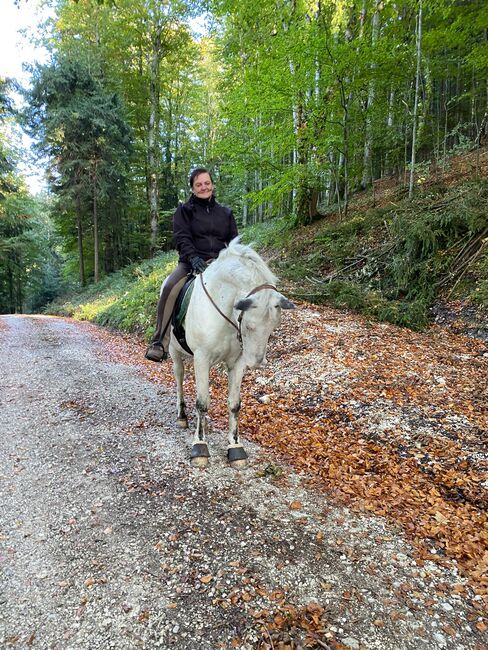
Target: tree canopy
[(294, 105)]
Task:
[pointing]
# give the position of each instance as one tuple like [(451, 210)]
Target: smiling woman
[(201, 228)]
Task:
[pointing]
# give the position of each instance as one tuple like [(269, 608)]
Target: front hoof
[(199, 461), (237, 457), (182, 423), (199, 455)]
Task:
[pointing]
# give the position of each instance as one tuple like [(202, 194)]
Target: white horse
[(231, 314)]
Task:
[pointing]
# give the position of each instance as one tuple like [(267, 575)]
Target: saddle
[(179, 313)]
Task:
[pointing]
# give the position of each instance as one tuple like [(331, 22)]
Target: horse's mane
[(237, 254)]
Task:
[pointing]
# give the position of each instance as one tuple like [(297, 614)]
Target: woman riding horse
[(201, 229), (232, 311)]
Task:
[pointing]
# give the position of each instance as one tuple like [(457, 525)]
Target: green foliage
[(293, 106), (390, 264), (29, 265), (125, 300), (81, 129), (478, 290)]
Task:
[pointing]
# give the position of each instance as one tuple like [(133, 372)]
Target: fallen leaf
[(206, 579)]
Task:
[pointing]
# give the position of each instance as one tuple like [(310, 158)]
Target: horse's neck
[(232, 282)]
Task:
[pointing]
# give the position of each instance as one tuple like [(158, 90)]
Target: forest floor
[(383, 421)]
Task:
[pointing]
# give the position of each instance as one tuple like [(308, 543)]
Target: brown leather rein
[(260, 287)]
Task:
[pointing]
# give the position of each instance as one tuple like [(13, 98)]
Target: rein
[(260, 287)]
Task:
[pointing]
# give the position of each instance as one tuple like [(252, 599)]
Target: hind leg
[(179, 373)]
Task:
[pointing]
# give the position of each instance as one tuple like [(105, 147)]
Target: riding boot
[(156, 352)]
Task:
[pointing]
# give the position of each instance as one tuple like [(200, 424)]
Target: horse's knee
[(202, 407), (236, 408)]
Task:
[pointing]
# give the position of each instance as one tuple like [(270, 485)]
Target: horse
[(232, 311)]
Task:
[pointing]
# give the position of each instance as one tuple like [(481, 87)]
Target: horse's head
[(260, 315)]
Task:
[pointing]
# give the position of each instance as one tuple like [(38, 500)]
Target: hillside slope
[(406, 262), (386, 420)]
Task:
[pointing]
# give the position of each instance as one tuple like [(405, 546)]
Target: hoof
[(237, 457), (182, 423), (238, 464), (199, 461), (199, 454)]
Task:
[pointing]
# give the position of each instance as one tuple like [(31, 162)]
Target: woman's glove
[(197, 264)]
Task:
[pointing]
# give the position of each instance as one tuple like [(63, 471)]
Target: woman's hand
[(197, 264)]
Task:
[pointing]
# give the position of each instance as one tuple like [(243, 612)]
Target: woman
[(201, 229)]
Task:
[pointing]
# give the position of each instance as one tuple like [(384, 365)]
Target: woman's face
[(202, 186)]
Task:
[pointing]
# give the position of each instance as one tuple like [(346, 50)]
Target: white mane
[(236, 256)]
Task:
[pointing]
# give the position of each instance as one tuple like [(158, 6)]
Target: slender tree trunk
[(79, 228), (345, 155), (245, 205), (153, 133), (259, 176), (96, 266), (389, 165), (11, 293), (19, 292), (416, 101), (368, 140)]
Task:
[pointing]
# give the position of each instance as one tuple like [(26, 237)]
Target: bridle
[(238, 327)]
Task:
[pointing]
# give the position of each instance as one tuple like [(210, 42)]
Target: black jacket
[(202, 227)]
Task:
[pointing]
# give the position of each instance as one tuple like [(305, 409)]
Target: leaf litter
[(385, 421)]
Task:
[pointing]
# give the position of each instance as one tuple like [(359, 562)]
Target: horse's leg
[(199, 451), (236, 454), (179, 373)]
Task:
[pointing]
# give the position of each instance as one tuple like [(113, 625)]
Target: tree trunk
[(96, 267), (19, 292), (79, 229), (368, 140), (11, 297), (416, 101), (153, 132)]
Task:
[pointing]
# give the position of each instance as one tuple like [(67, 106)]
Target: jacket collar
[(205, 203)]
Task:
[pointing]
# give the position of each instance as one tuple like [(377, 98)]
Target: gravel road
[(109, 539)]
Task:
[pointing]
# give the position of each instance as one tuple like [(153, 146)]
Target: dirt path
[(108, 539)]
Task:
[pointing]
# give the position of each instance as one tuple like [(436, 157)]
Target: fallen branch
[(321, 643), (468, 264)]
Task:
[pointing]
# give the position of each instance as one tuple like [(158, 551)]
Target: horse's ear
[(285, 303), (244, 304)]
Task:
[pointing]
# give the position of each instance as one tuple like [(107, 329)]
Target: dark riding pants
[(167, 300)]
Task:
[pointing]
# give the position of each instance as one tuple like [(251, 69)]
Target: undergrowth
[(125, 300), (393, 263)]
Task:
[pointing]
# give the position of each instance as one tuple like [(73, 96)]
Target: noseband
[(238, 327)]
